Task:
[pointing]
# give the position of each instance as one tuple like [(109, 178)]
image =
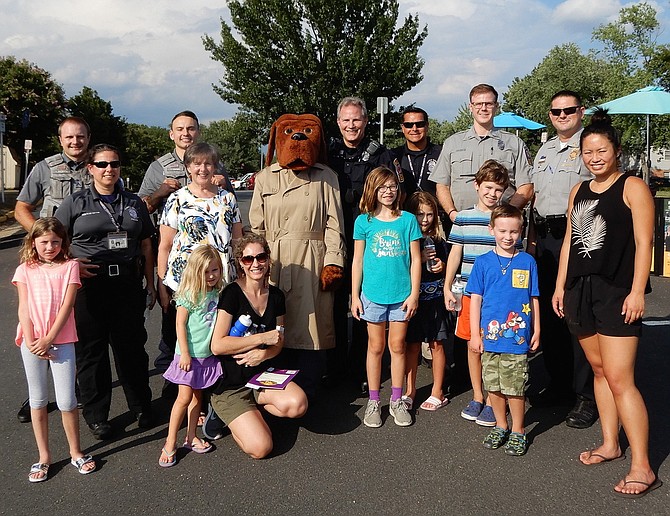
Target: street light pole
[(3, 118)]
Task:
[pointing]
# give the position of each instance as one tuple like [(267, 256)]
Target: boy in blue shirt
[(505, 325)]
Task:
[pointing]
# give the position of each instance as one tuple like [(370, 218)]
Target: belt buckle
[(113, 270)]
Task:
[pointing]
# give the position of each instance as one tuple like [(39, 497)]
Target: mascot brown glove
[(332, 277)]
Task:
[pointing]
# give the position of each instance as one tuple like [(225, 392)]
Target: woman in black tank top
[(603, 272)]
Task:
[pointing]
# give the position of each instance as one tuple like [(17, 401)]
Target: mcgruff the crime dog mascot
[(296, 205)]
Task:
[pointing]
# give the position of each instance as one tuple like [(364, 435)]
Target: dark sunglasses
[(105, 164), (568, 111), (260, 258), (420, 124)]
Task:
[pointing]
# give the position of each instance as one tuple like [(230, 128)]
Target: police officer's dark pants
[(564, 359), (168, 336), (349, 358), (110, 311)]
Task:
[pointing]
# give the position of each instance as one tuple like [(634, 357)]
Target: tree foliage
[(304, 55), (29, 94), (105, 126), (621, 66), (144, 145), (238, 140)]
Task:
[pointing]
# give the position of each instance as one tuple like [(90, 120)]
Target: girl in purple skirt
[(193, 367)]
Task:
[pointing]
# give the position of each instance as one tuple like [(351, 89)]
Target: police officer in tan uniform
[(464, 152), (557, 169)]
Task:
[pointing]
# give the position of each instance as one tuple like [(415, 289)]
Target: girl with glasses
[(386, 274)]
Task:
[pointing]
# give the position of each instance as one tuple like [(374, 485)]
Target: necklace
[(504, 269)]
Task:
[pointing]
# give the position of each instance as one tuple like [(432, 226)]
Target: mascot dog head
[(299, 141)]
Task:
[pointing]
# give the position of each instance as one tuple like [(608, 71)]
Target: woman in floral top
[(200, 213)]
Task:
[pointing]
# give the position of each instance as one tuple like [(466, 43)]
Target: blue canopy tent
[(648, 101), (510, 120)]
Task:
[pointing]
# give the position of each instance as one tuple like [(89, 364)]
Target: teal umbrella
[(510, 120), (648, 101)]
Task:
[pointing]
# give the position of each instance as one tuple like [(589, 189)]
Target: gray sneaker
[(398, 410), (373, 416)]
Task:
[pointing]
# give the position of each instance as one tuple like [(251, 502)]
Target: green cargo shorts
[(505, 373)]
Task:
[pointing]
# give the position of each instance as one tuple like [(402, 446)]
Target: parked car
[(251, 182), (241, 183)]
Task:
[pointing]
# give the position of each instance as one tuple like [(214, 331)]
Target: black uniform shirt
[(89, 225)]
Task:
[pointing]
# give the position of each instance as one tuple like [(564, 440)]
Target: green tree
[(296, 56), (630, 41), (564, 68), (238, 140), (105, 126), (145, 144), (34, 104)]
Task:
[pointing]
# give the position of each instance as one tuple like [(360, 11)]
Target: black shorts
[(593, 305)]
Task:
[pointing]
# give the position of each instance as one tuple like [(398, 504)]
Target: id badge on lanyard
[(116, 239)]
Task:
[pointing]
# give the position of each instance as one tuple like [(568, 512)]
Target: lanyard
[(411, 167), (111, 216)]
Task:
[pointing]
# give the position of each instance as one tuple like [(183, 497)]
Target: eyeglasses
[(419, 125), (105, 164), (388, 188), (260, 258), (479, 105), (568, 111)]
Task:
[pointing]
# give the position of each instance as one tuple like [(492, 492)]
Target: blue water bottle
[(241, 326)]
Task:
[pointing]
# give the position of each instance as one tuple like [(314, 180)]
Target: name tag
[(117, 240)]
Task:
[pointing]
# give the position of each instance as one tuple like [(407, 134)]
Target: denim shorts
[(376, 313)]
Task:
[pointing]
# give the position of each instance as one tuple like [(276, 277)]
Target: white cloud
[(579, 11), (147, 57)]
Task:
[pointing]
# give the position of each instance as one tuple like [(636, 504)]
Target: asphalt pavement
[(329, 462)]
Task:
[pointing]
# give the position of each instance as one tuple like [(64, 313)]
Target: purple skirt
[(204, 372)]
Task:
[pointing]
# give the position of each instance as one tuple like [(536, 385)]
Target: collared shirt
[(89, 225), (53, 186), (419, 164), (557, 169), (464, 153)]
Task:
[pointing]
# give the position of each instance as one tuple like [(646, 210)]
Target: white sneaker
[(373, 416), (398, 410)]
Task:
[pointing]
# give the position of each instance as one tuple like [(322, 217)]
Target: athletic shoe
[(373, 416), (517, 444), (496, 438), (486, 417), (398, 410), (213, 426), (472, 411)]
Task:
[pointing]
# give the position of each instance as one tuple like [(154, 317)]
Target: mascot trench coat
[(300, 215)]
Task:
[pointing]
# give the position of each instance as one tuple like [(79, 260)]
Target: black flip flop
[(604, 459), (650, 487)]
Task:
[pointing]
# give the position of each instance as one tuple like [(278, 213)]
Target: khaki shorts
[(231, 404), (463, 321), (505, 373)]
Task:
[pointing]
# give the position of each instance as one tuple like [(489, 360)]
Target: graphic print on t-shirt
[(588, 229), (387, 243)]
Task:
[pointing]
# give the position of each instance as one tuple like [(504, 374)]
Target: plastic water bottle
[(241, 326), (429, 245), (457, 288)]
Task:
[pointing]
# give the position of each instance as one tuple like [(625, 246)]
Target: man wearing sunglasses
[(557, 169), (50, 181), (464, 152)]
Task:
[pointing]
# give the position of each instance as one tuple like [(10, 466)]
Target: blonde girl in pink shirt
[(47, 281)]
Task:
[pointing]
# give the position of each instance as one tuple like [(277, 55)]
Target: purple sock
[(374, 395), (396, 393)]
